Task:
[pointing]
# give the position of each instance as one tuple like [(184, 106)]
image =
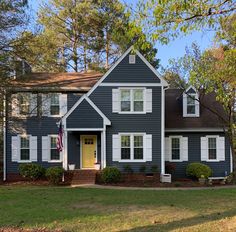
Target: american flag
[(59, 138)]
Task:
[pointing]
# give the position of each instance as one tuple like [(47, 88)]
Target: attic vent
[(132, 59)]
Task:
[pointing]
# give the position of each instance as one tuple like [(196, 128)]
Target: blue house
[(129, 116)]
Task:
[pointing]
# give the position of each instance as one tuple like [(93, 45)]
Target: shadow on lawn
[(186, 222)]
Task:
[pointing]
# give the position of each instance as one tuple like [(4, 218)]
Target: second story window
[(54, 104), (132, 100), (24, 148), (24, 104), (191, 104)]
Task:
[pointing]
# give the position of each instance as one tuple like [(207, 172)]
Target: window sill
[(24, 161), (131, 112), (213, 160), (191, 116), (177, 161), (132, 161), (54, 161)]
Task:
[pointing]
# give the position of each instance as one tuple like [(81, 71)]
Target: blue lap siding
[(221, 168), (149, 123)]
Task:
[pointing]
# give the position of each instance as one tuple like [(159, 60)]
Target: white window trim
[(60, 153), (185, 103), (180, 148), (132, 160), (216, 137), (132, 101), (55, 115), (20, 160)]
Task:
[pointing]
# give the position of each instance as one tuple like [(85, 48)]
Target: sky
[(174, 49)]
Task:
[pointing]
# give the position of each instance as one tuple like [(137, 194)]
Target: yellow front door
[(89, 145)]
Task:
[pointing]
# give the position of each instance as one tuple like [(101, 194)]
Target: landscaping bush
[(111, 175), (54, 175), (154, 169), (31, 171), (196, 170), (142, 169), (128, 169)]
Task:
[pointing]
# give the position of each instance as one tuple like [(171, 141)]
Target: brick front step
[(80, 177)]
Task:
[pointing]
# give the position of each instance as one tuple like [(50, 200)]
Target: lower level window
[(55, 154), (212, 148), (175, 148), (132, 147), (24, 148), (125, 147)]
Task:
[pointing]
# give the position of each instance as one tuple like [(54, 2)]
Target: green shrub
[(54, 175), (111, 175), (154, 169), (128, 169), (142, 169), (31, 171), (196, 170)]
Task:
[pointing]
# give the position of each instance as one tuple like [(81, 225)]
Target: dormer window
[(190, 103)]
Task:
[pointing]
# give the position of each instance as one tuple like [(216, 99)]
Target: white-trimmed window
[(212, 148), (49, 149), (24, 148), (54, 104), (54, 153), (132, 100), (132, 147), (24, 104), (191, 103), (175, 148)]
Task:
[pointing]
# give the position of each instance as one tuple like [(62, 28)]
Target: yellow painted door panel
[(89, 145)]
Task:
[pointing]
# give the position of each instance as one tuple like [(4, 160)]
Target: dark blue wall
[(194, 155)]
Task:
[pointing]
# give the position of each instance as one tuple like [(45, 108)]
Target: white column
[(65, 151), (104, 148), (162, 130)]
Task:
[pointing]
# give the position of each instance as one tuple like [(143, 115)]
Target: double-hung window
[(191, 104), (24, 104), (54, 153), (212, 148), (54, 104), (132, 147), (175, 148), (132, 100), (24, 148)]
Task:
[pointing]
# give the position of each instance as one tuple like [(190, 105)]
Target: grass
[(80, 209)]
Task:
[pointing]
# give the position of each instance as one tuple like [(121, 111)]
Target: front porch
[(84, 149)]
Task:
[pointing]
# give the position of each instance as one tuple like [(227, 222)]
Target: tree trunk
[(85, 59), (107, 51)]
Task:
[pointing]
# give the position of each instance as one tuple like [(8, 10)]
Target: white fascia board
[(190, 87), (84, 97)]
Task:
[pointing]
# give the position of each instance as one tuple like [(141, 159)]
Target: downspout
[(163, 130), (4, 138)]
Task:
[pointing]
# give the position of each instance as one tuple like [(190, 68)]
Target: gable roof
[(85, 98), (162, 80), (65, 81), (174, 112)]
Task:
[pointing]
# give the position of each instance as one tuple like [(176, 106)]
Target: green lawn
[(79, 209)]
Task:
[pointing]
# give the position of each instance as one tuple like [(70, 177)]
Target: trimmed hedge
[(31, 171), (54, 175), (197, 170), (110, 175)]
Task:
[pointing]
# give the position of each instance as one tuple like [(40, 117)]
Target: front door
[(89, 150)]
